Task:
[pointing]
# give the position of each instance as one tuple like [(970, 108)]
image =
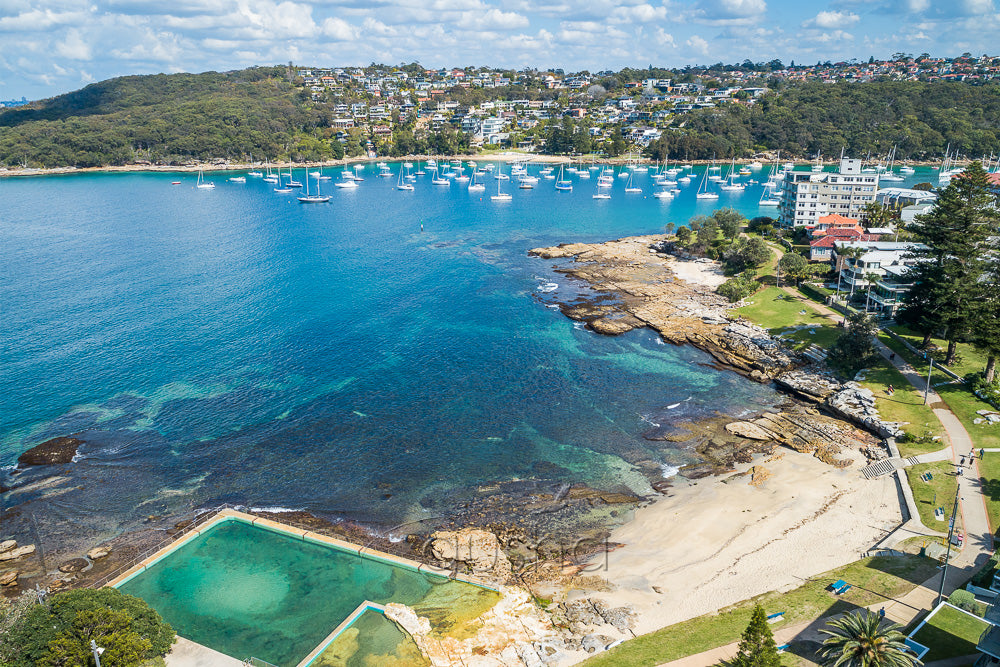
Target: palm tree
[(870, 277), (856, 640)]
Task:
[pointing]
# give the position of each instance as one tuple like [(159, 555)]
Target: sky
[(49, 47)]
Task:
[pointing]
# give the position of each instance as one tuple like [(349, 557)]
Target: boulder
[(7, 545), (51, 452), (477, 548), (17, 552), (99, 552), (9, 578), (759, 475), (74, 565), (749, 430)]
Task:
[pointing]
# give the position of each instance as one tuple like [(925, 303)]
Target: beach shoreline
[(506, 157)]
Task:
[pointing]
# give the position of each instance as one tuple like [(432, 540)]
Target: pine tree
[(757, 647), (952, 262)]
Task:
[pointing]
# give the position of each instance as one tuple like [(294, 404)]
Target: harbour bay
[(232, 345)]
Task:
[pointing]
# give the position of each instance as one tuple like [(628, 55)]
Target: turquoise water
[(247, 591), (232, 345)]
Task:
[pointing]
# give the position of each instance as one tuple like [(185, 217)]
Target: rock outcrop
[(51, 452), (9, 578), (471, 549), (508, 635), (99, 552), (15, 552), (634, 287), (856, 403)]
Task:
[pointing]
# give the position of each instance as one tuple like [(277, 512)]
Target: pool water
[(372, 641), (248, 591)]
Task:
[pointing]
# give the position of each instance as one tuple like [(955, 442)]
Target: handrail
[(203, 516)]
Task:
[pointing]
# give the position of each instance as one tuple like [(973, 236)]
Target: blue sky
[(53, 46)]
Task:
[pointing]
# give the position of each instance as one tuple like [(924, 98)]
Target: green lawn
[(872, 580), (801, 338), (905, 405), (938, 492), (772, 308), (989, 472), (950, 634), (970, 360)]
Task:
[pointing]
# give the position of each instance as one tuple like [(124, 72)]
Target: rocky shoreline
[(633, 286)]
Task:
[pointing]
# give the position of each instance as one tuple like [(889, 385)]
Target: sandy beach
[(695, 272), (720, 540)]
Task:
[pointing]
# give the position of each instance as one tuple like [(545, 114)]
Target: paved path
[(186, 653), (978, 545)]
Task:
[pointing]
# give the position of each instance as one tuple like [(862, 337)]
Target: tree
[(855, 348), (857, 640), (757, 647), (69, 614), (730, 221), (878, 215), (987, 321), (794, 266), (746, 253), (951, 263), (111, 629), (684, 235)]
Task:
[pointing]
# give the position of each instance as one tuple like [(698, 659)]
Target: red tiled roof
[(830, 240)]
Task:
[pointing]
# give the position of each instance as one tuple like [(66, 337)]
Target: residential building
[(882, 264), (808, 196)]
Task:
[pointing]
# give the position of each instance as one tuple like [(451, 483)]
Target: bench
[(776, 617), (840, 586)]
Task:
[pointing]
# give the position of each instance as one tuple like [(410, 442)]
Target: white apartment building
[(807, 196)]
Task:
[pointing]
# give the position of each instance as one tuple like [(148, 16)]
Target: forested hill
[(174, 118), (164, 116), (920, 118)]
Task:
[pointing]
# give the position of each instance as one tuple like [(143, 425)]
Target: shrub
[(125, 622), (740, 287), (963, 599), (988, 391), (855, 348)]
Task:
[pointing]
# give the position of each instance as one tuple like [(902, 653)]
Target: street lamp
[(927, 389), (97, 651)]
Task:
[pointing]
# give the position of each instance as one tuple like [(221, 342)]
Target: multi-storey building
[(807, 196)]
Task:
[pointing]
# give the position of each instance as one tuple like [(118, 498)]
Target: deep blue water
[(233, 344)]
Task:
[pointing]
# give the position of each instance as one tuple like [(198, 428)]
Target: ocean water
[(233, 345)]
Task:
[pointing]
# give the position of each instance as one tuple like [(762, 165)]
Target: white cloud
[(834, 36), (73, 46), (665, 38), (39, 20), (642, 13), (339, 29), (493, 19), (698, 44), (732, 9), (829, 20)]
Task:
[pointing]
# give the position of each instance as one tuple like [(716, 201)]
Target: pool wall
[(230, 515), (344, 625)]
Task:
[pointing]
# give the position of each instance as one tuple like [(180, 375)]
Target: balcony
[(989, 642)]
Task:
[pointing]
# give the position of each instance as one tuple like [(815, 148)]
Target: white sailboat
[(256, 173), (703, 191), (202, 184), (769, 196), (475, 185), (501, 196), (603, 188), (317, 198), (291, 182), (562, 184), (731, 185), (402, 184), (438, 179), (630, 187)]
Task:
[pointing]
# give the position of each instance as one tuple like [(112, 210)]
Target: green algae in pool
[(372, 641), (247, 591)]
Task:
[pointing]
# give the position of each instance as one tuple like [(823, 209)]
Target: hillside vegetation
[(920, 118)]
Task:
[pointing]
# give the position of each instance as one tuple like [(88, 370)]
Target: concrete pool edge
[(230, 515), (344, 625)]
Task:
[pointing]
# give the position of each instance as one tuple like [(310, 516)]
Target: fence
[(202, 517)]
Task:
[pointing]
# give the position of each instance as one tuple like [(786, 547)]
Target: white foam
[(668, 471), (554, 306), (548, 287), (648, 420), (276, 510)]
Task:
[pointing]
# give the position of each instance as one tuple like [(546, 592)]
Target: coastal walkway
[(977, 548)]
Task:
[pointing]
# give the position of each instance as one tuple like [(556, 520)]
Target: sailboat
[(475, 185), (769, 196), (438, 179), (630, 188), (238, 179), (703, 191), (402, 184), (291, 182), (888, 175), (562, 184), (202, 183), (731, 185), (270, 178), (501, 196), (603, 182), (317, 198), (256, 173)]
